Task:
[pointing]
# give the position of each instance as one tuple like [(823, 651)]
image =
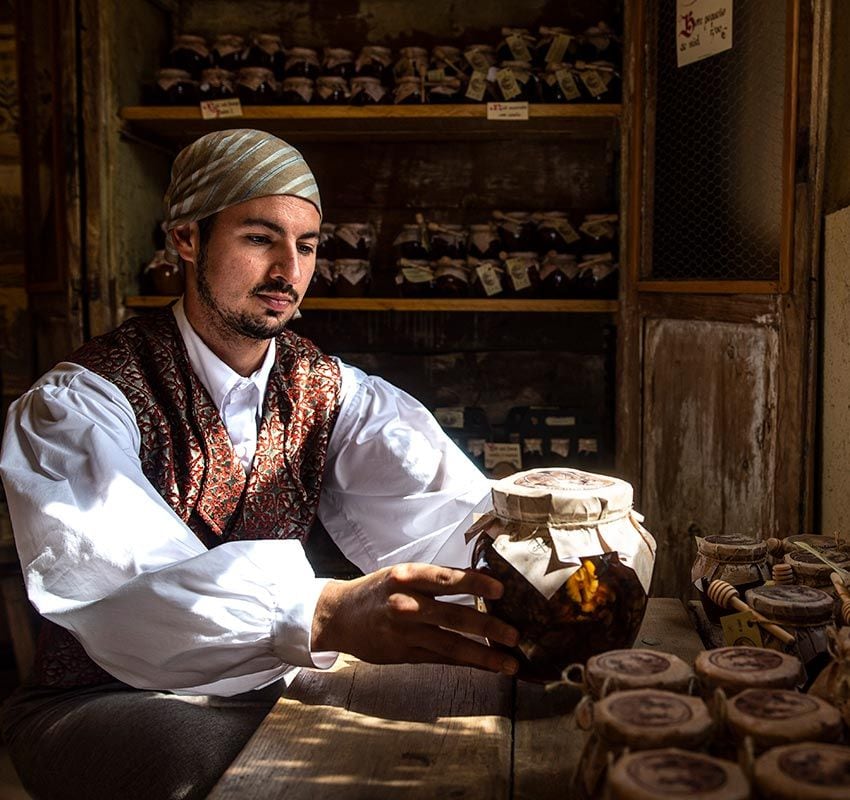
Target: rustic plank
[(547, 740), (424, 731)]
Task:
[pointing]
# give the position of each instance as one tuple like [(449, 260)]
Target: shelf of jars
[(141, 302), (330, 123)]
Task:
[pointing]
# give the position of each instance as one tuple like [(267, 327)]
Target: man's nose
[(286, 264)]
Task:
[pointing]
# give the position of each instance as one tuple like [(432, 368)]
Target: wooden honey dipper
[(782, 574), (725, 595), (844, 595)]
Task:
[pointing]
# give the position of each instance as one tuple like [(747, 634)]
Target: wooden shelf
[(179, 124), (414, 304)]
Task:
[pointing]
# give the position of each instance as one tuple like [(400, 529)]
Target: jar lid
[(781, 716), (568, 495), (365, 80), (297, 81), (339, 53), (804, 771), (791, 603), (734, 669), (649, 718), (189, 38), (737, 547), (810, 565), (267, 38), (173, 74), (413, 51), (674, 773), (816, 540), (302, 52), (256, 72), (635, 668), (229, 39)]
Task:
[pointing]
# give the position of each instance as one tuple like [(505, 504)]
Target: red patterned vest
[(188, 457)]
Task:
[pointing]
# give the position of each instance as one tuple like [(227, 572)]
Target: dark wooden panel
[(710, 437)]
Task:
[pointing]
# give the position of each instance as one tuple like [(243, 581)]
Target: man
[(161, 483)]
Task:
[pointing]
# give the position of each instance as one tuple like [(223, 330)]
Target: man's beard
[(243, 323)]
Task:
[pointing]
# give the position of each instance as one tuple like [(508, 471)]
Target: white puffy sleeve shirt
[(104, 556)]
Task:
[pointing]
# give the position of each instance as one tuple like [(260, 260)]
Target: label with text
[(218, 109)]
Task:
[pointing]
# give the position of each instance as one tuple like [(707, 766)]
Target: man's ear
[(186, 240)]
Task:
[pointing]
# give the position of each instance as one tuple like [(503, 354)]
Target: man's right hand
[(392, 617)]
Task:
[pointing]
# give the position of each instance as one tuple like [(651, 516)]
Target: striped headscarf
[(228, 167)]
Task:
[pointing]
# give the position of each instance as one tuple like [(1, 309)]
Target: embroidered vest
[(187, 455)]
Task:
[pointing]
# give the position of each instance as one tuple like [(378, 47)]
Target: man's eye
[(305, 249), (258, 238)]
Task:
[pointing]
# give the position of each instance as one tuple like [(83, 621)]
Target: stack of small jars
[(549, 254), (553, 66), (343, 260)]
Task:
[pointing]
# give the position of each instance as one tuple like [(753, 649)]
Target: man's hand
[(391, 617)]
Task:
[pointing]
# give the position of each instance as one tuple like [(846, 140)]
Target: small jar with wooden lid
[(638, 719), (575, 563), (739, 560), (833, 682), (804, 771), (632, 668), (809, 570), (673, 773), (805, 612), (734, 669), (771, 717)]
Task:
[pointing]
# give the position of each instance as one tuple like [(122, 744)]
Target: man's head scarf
[(228, 167)]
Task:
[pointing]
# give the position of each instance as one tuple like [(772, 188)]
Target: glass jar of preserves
[(516, 82), (228, 52), (803, 771), (676, 774), (480, 57), (739, 560), (636, 719), (217, 84), (301, 62), (523, 273), (633, 668), (447, 240), (554, 46), (517, 44), (413, 243), (734, 669), (487, 277), (353, 240), (174, 87), (352, 277), (575, 563), (165, 279), (483, 243), (367, 91), (559, 276), (256, 86), (517, 230), (597, 277), (599, 43), (805, 612), (446, 62), (190, 54), (555, 233), (772, 717), (408, 91), (412, 63), (327, 244), (451, 278), (375, 61), (296, 91), (415, 278), (445, 90), (322, 283), (338, 62), (266, 51), (332, 91), (559, 84), (809, 570), (599, 81), (598, 234)]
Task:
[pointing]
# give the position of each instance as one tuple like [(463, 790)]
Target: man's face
[(257, 262)]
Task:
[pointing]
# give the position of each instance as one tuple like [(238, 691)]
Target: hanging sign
[(703, 29)]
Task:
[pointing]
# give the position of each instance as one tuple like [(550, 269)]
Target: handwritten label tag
[(518, 47), (218, 109), (559, 46), (508, 84), (594, 83), (449, 416), (518, 273), (477, 86), (568, 84), (489, 279), (507, 110), (740, 630), (502, 452)]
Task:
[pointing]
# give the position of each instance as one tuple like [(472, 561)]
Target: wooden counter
[(422, 731)]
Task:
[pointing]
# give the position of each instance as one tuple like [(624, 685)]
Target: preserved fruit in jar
[(296, 91), (256, 86), (575, 563), (190, 54)]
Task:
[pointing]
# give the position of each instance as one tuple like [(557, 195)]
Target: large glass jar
[(256, 86), (228, 51), (332, 90), (217, 84), (803, 771), (266, 51), (174, 87), (301, 62), (189, 53), (338, 62), (375, 61), (516, 82), (575, 563)]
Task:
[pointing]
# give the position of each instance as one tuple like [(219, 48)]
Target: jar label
[(477, 60), (489, 279), (449, 417), (508, 84), (598, 230), (477, 86), (560, 422), (417, 274), (567, 231), (560, 447), (518, 272), (532, 447), (588, 445), (740, 630), (594, 83), (502, 452), (518, 47), (216, 109), (559, 46), (435, 75), (568, 84)]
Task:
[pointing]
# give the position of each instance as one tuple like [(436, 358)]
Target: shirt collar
[(216, 376)]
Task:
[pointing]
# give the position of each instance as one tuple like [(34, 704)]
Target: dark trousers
[(113, 742)]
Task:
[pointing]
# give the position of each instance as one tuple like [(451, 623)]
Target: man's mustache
[(278, 287)]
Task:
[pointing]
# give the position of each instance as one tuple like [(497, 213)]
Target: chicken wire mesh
[(718, 151)]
